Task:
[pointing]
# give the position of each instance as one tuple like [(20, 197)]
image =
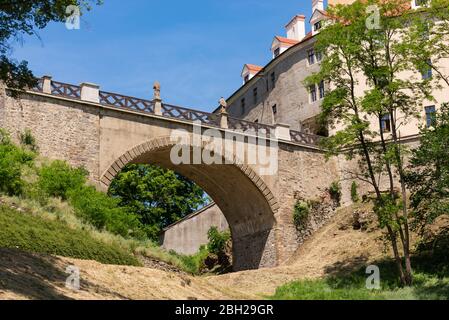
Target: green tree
[(428, 175), (159, 197), (359, 50), (427, 40), (26, 17)]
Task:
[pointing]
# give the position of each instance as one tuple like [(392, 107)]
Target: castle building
[(276, 94)]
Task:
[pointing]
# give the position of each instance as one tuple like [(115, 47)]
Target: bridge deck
[(120, 101)]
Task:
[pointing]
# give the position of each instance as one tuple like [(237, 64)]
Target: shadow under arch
[(241, 194)]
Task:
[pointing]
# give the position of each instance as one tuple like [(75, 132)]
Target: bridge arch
[(241, 194)]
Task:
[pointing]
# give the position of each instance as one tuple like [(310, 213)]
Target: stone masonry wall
[(303, 174), (63, 130)]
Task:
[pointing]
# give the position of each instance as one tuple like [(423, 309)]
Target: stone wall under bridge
[(102, 137)]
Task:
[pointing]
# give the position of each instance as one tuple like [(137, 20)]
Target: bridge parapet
[(156, 107)]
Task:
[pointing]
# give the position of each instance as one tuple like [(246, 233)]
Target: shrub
[(27, 140), (12, 161), (354, 195), (4, 137), (35, 234), (335, 191), (193, 264), (217, 240), (103, 212), (300, 213), (58, 178)]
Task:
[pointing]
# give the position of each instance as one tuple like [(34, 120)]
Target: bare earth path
[(333, 248)]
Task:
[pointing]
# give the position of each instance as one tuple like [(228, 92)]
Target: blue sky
[(196, 49)]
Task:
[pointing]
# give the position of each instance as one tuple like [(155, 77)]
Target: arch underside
[(242, 196)]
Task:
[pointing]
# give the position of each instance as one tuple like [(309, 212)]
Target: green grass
[(431, 282), (62, 212), (192, 263), (35, 234)]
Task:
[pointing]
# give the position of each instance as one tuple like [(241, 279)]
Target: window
[(246, 78), (427, 72), (425, 34), (318, 56), (386, 123), (255, 95), (277, 52), (317, 26), (321, 89), (312, 93), (275, 109), (273, 80), (311, 56), (242, 106), (430, 116), (419, 3), (256, 121)]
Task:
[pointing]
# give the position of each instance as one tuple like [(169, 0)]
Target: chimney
[(317, 5), (296, 28)]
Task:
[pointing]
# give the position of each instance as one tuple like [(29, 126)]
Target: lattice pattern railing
[(190, 114), (250, 127), (65, 90), (301, 137), (121, 101), (212, 119), (39, 87)]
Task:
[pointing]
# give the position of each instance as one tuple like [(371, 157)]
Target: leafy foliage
[(335, 191), (104, 212), (12, 162), (428, 174), (300, 213), (217, 240), (58, 178), (28, 140), (26, 17), (159, 197), (377, 56)]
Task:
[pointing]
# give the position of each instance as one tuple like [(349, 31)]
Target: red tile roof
[(286, 40), (253, 67)]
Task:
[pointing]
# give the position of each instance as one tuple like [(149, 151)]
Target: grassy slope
[(347, 280), (57, 210), (35, 234), (331, 265)]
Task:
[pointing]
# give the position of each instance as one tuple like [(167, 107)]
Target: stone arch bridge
[(104, 131)]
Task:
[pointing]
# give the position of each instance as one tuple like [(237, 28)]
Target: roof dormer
[(318, 16), (281, 44), (249, 71)]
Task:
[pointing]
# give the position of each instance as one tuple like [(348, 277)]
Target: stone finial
[(157, 91), (223, 113), (223, 105)]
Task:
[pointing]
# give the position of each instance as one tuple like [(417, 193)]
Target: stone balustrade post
[(46, 84), (223, 114), (157, 99), (90, 92), (224, 120), (282, 132)]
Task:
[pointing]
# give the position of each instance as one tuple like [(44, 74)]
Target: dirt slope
[(333, 248)]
